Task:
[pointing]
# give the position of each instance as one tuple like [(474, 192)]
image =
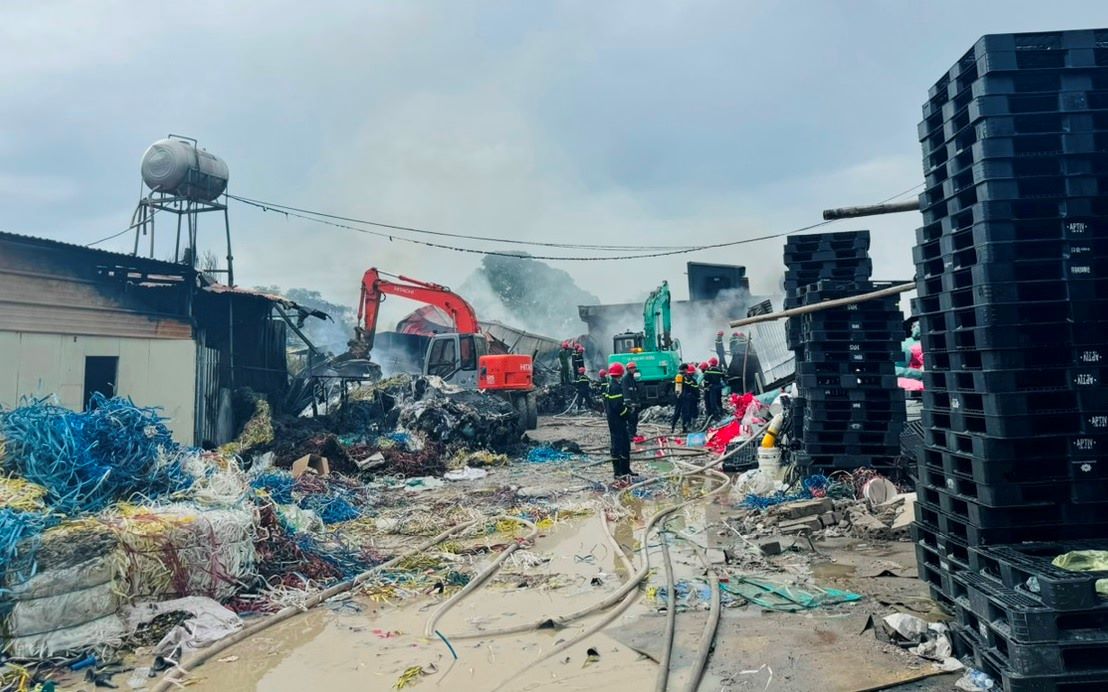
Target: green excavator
[(656, 353)]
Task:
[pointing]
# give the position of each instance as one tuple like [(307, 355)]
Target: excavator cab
[(454, 358), (628, 342)]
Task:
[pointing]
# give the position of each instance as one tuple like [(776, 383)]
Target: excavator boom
[(375, 288)]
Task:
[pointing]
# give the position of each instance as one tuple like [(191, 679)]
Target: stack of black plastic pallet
[(1011, 267), (849, 412)]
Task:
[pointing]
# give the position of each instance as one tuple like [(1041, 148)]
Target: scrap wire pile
[(812, 486), (334, 498), (88, 460)]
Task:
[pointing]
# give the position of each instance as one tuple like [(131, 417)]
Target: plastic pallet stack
[(1011, 267), (849, 412), (819, 256)]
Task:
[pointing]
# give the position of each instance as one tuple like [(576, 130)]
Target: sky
[(619, 122)]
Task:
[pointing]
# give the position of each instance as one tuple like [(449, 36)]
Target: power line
[(125, 230), (511, 241), (393, 237)]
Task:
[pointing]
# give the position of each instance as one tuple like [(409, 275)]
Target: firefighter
[(577, 358), (713, 378), (616, 411), (679, 394), (564, 355), (602, 384), (691, 392), (632, 394), (584, 390)]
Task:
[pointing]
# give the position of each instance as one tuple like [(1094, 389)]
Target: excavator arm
[(655, 310), (375, 288)]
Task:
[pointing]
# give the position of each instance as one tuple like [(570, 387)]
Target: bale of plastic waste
[(183, 550), (64, 592)]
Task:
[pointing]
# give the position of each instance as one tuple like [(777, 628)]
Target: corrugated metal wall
[(56, 290)]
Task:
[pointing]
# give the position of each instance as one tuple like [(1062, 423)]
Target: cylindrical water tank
[(177, 167)]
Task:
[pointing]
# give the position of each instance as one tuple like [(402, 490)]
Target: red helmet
[(719, 333), (734, 335), (603, 372), (615, 370), (704, 366), (713, 361), (580, 371), (580, 348), (631, 365), (565, 344)]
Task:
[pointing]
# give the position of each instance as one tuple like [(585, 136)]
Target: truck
[(465, 357), (657, 355)]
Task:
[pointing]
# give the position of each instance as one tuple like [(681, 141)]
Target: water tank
[(179, 168)]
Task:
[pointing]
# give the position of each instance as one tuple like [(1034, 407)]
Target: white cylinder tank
[(179, 168)]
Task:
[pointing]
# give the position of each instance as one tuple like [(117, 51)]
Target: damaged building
[(75, 321)]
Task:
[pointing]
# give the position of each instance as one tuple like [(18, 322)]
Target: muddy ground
[(359, 643)]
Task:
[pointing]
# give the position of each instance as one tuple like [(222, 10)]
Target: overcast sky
[(621, 122)]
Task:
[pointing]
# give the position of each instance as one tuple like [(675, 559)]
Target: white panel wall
[(153, 372)]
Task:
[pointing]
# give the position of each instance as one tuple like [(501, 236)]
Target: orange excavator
[(462, 357)]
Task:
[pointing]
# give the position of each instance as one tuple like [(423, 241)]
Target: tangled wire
[(87, 460)]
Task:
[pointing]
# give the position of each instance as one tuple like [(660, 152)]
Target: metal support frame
[(183, 208)]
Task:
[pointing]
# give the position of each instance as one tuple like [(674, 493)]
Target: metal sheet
[(775, 358)]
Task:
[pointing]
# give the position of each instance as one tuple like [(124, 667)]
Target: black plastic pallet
[(1019, 53), (888, 338), (957, 250), (850, 438), (1036, 658), (834, 238), (1032, 239), (847, 356), (963, 167), (1077, 218), (807, 367), (839, 321), (1011, 359), (969, 511), (950, 549), (1025, 619), (1012, 494), (1015, 380), (892, 396), (1014, 566), (957, 137), (997, 473), (999, 191), (936, 520), (933, 570), (988, 661), (823, 418), (967, 230), (972, 286), (1005, 314), (1075, 399), (1017, 336), (966, 110), (1009, 209), (1026, 445), (986, 268), (824, 254), (1022, 147), (887, 381), (1066, 422), (840, 426)]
